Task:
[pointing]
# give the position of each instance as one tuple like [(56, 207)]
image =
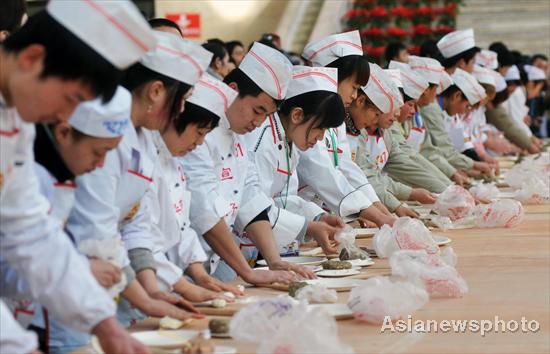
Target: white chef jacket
[(109, 200), (276, 164), (220, 177), (478, 124), (328, 171), (169, 201), (13, 338), (516, 107), (34, 244)]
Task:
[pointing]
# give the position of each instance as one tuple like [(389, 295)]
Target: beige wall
[(245, 20)]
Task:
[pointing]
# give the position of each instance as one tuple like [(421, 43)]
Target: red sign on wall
[(190, 23)]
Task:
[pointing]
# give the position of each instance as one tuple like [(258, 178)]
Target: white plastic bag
[(449, 256), (346, 245), (379, 297), (317, 294), (502, 213), (406, 233), (430, 271), (455, 202), (445, 223), (533, 191), (107, 250), (484, 191), (282, 325)]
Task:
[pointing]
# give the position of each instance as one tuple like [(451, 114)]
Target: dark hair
[(451, 90), (406, 98), (66, 57), (137, 76), (504, 57), (351, 65), (215, 48), (11, 14), (500, 97), (164, 22), (429, 49), (368, 101), (325, 107), (467, 55), (231, 45), (247, 87), (216, 41), (195, 114), (392, 51), (536, 57)]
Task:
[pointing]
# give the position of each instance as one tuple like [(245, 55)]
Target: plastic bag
[(317, 294), (484, 191), (428, 270), (502, 213), (445, 223), (455, 202), (346, 246), (406, 233), (282, 325), (449, 256), (107, 250), (533, 191), (379, 297)]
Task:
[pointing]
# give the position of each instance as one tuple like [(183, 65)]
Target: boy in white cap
[(222, 178), (327, 173), (51, 64), (311, 106), (459, 50)]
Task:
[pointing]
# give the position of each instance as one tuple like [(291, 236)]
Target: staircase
[(523, 25), (298, 22)]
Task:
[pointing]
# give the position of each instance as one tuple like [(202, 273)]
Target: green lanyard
[(288, 175), (334, 147)]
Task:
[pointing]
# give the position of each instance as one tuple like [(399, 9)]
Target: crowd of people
[(142, 172)]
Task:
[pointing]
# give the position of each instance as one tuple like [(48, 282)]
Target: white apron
[(378, 151), (417, 134)]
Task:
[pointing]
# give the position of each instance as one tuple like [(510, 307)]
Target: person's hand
[(323, 233), (195, 293), (366, 223), (214, 284), (404, 211), (484, 167), (332, 220), (174, 300), (257, 277), (382, 208), (459, 179), (533, 149), (479, 200), (423, 196), (292, 267), (106, 273), (114, 339)]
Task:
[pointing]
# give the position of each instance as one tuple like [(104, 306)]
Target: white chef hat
[(395, 77), (512, 74), (213, 95), (381, 90), (534, 73), (430, 69), (177, 58), (414, 85), (307, 79), (110, 120), (269, 69), (500, 82), (484, 76), (456, 42), (114, 29), (487, 58), (445, 82), (469, 86), (328, 49)]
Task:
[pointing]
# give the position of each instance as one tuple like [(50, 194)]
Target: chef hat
[(395, 76), (512, 74), (269, 69), (381, 90), (307, 79), (534, 73), (177, 58), (484, 76), (456, 42), (414, 85), (213, 95), (487, 59), (114, 29), (473, 91), (500, 82), (328, 49), (110, 120), (445, 82), (430, 69)]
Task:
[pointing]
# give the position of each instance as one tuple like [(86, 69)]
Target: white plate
[(337, 284), (441, 240), (298, 260), (366, 232), (361, 262), (339, 311), (337, 273)]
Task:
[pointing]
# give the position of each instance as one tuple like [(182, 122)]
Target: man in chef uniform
[(55, 61)]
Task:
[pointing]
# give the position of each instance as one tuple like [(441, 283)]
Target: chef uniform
[(219, 172), (516, 105), (30, 238), (327, 173), (476, 118), (109, 200), (176, 244), (277, 159), (405, 164)]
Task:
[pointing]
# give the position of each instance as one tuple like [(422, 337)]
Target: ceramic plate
[(361, 262), (298, 260), (337, 273), (441, 240), (364, 233), (337, 284), (338, 311)]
